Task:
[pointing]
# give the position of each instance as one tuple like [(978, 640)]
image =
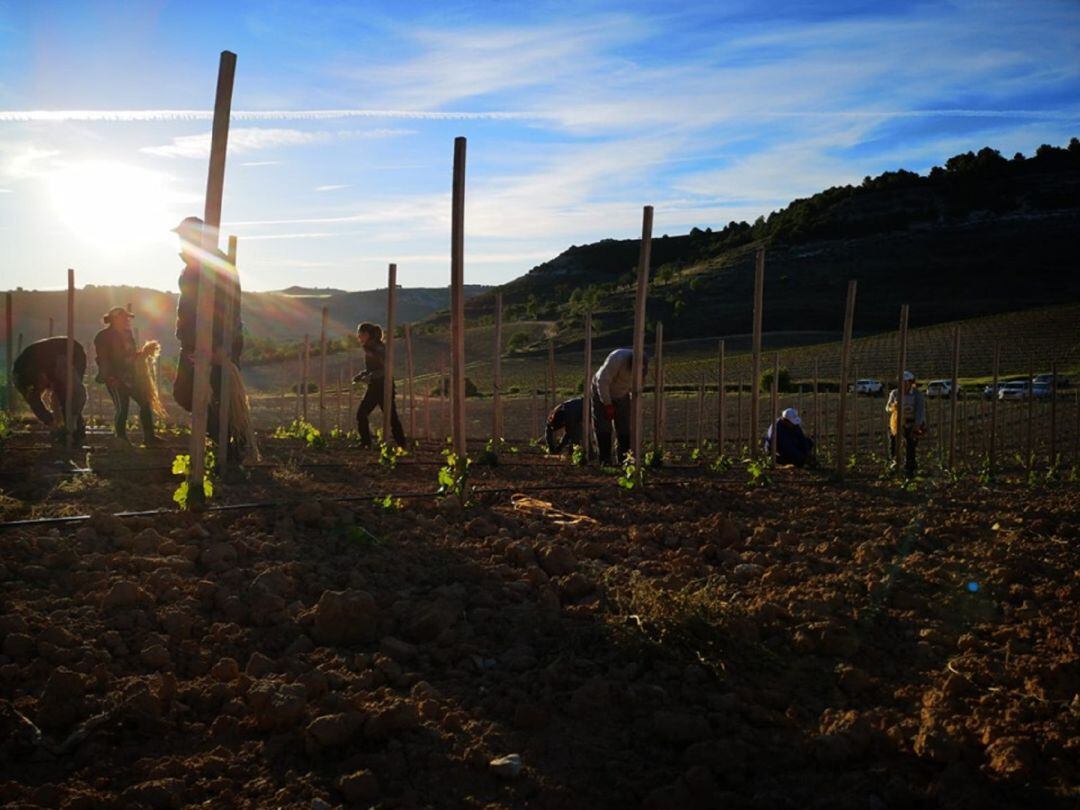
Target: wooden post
[(298, 386), (444, 393), (586, 398), (1029, 460), (755, 382), (427, 413), (409, 370), (304, 373), (19, 345), (814, 404), (721, 415), (9, 356), (204, 312), (322, 372), (69, 387), (638, 411), (899, 454), (549, 404), (50, 324), (855, 413), (496, 373), (774, 399), (534, 421), (845, 360), (658, 390), (388, 375), (226, 348), (338, 399), (991, 455), (457, 299), (349, 384), (701, 412), (738, 416), (1053, 413), (954, 396)]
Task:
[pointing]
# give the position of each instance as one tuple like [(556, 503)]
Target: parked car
[(989, 392), (941, 389), (1062, 381), (1017, 389), (1041, 390), (868, 388)]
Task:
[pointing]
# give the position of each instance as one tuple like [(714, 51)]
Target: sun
[(113, 206)]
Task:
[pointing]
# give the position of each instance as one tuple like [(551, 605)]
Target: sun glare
[(113, 206)]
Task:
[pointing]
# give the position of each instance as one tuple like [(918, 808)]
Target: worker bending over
[(567, 417), (787, 443), (611, 387), (41, 367)]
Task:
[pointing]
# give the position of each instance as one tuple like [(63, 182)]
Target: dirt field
[(697, 644)]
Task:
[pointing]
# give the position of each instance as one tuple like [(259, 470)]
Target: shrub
[(784, 383), (517, 341)]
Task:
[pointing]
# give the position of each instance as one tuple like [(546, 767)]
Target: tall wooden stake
[(992, 452), (388, 377), (701, 412), (1029, 434), (721, 415), (349, 383), (204, 312), (226, 346), (774, 399), (658, 390), (9, 356), (322, 372), (814, 404), (755, 382), (899, 454), (69, 387), (638, 410), (457, 299), (855, 413), (409, 370), (496, 373), (305, 374), (954, 396), (1053, 413), (845, 360), (586, 399), (554, 397), (50, 325)]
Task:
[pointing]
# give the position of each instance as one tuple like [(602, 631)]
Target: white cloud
[(130, 116), (252, 163), (252, 139), (21, 160), (332, 187), (6, 191)]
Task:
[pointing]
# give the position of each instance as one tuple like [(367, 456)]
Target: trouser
[(184, 392), (604, 427), (910, 441), (33, 397), (373, 399), (121, 397)]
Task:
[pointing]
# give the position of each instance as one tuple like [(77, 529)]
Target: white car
[(1018, 389), (942, 389), (869, 388)]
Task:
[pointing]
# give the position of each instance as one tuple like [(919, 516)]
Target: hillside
[(980, 235), (269, 317)]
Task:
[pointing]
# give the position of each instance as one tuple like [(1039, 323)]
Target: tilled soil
[(696, 644)]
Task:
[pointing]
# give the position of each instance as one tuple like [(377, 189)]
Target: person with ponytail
[(370, 336), (123, 368)]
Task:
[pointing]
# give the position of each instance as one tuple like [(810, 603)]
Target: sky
[(576, 115)]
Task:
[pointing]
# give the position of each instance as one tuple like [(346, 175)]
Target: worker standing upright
[(908, 420)]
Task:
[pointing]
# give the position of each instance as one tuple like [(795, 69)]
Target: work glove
[(363, 376), (609, 410)]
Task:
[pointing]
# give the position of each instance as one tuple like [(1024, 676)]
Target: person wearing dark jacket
[(567, 417), (200, 263), (374, 374), (41, 367), (786, 441), (116, 358)]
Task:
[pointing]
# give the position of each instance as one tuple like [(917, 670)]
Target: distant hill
[(983, 234), (268, 316)]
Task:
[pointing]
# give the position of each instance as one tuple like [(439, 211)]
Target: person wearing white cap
[(786, 442), (914, 421)]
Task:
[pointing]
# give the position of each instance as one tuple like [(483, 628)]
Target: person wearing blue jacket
[(786, 442)]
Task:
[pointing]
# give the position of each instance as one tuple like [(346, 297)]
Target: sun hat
[(190, 227), (791, 415), (909, 377)]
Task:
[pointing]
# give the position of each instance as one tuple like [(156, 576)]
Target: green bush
[(470, 388), (784, 383), (517, 341)]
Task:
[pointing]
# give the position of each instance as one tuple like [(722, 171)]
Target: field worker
[(914, 420), (199, 262), (41, 367), (567, 417), (786, 441), (370, 336), (611, 386), (118, 361)]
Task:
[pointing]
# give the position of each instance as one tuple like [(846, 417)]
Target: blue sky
[(577, 115)]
